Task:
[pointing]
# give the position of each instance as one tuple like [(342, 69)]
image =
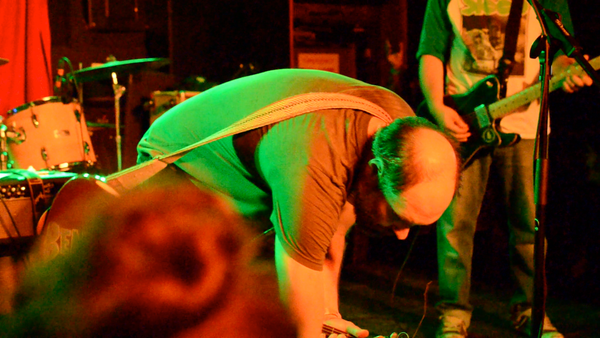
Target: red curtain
[(25, 42)]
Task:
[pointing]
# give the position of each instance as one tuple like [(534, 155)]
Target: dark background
[(217, 41)]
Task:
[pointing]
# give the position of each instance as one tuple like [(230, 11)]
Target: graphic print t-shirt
[(479, 35), (484, 35)]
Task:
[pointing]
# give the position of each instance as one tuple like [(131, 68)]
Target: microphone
[(60, 78), (63, 87)]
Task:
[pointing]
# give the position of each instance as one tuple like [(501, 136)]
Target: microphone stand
[(553, 33)]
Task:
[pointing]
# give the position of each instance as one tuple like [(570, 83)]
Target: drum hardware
[(64, 86), (109, 70), (47, 134), (3, 61), (98, 125), (118, 90), (15, 136), (44, 155), (35, 121), (78, 115), (5, 136), (3, 149), (105, 71), (86, 148)]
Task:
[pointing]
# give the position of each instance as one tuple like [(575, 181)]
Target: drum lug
[(44, 154), (77, 115), (16, 136), (35, 121)]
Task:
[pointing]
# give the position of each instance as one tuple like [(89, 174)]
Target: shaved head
[(418, 169), (436, 166), (433, 154)]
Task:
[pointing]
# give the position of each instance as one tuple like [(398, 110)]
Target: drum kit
[(51, 133)]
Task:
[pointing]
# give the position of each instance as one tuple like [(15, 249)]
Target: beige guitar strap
[(275, 112)]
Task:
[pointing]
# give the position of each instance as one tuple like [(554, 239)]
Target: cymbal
[(104, 71), (3, 61)]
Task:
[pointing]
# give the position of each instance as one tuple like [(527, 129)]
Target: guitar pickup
[(482, 117)]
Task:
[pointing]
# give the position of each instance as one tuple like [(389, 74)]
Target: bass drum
[(48, 134)]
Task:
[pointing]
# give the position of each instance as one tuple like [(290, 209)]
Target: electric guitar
[(481, 109)]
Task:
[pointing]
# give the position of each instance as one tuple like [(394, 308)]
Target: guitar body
[(471, 106), (76, 200), (73, 206)]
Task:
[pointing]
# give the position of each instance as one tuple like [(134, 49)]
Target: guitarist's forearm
[(431, 74), (431, 78)]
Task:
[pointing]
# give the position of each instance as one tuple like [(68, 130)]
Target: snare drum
[(48, 134)]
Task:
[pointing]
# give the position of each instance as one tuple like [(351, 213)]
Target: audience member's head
[(163, 262)]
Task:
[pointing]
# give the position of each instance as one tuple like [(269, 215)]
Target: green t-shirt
[(295, 173)]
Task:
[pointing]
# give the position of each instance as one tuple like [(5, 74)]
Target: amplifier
[(165, 100), (24, 196)]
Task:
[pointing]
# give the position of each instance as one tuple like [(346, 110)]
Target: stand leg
[(118, 91)]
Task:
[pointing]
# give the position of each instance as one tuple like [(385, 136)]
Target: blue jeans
[(456, 227)]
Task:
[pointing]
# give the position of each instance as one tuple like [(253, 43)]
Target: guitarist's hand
[(449, 119), (573, 82), (341, 325)]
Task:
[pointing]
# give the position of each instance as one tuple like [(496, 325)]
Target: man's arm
[(301, 289), (333, 265), (331, 273), (431, 77)]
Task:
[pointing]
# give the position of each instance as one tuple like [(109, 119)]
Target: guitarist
[(462, 42)]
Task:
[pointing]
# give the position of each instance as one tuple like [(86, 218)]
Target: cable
[(406, 335), (412, 244), (33, 202), (424, 308), (62, 86)]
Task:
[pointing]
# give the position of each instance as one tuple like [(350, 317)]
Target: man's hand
[(449, 119), (338, 324), (572, 82)]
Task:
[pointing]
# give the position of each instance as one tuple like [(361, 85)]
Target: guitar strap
[(511, 34), (275, 112)]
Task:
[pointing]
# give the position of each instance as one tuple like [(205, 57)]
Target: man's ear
[(377, 163)]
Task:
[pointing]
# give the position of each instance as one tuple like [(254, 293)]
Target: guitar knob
[(488, 135)]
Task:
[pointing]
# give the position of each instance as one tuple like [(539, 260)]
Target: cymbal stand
[(118, 90), (3, 147)]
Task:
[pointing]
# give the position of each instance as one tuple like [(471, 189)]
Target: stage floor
[(375, 296)]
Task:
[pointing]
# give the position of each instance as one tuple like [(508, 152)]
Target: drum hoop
[(47, 99), (65, 167)]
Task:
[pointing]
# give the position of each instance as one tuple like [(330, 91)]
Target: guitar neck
[(506, 106)]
